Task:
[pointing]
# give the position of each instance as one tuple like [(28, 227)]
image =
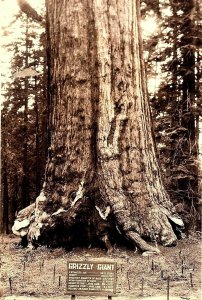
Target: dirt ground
[(29, 274)]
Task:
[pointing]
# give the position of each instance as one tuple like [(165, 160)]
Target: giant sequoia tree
[(102, 177)]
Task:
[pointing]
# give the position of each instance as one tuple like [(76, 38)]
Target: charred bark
[(102, 175)]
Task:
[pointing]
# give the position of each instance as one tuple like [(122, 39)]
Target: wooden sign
[(86, 277)]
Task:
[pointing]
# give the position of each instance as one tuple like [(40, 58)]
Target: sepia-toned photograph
[(101, 149)]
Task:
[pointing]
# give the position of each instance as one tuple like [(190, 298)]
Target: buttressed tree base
[(102, 178)]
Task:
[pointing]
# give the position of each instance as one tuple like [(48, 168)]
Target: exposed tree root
[(140, 243), (39, 226)]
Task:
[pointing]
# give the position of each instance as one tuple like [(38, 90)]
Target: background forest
[(172, 56)]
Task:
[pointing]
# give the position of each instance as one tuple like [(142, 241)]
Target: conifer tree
[(176, 105), (24, 125)]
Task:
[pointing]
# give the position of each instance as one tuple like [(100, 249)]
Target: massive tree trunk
[(102, 173)]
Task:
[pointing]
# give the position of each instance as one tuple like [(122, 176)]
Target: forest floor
[(30, 273)]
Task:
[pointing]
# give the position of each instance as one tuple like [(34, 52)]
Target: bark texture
[(102, 171)]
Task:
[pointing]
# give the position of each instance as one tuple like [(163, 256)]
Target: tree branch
[(29, 11)]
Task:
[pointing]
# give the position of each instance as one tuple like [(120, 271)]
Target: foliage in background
[(24, 121), (174, 52)]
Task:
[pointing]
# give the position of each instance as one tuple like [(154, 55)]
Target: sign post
[(89, 277)]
